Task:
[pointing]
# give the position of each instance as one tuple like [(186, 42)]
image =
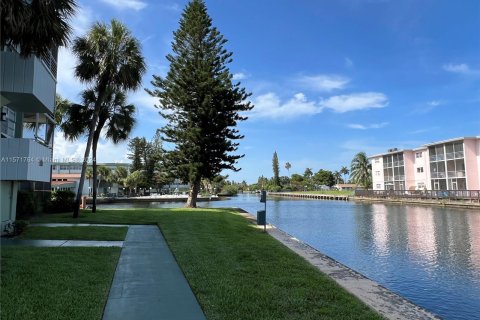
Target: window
[(8, 122), (420, 170), (418, 154), (379, 186), (377, 173), (421, 185), (377, 160)]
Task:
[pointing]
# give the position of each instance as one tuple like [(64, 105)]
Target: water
[(429, 255)]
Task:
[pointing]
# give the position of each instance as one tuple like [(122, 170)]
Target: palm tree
[(35, 26), (288, 166), (104, 173), (338, 177), (361, 170), (115, 115), (89, 175), (109, 60), (344, 171)]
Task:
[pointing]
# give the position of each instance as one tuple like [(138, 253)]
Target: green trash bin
[(261, 217)]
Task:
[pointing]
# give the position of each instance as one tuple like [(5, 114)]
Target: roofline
[(385, 153), (89, 164), (424, 146), (450, 140)]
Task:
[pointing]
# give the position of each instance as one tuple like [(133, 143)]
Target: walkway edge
[(379, 298)]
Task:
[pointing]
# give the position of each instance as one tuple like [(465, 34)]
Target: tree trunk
[(192, 195), (96, 137), (91, 131), (76, 209)]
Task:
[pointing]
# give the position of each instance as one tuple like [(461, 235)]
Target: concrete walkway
[(77, 225), (60, 243), (148, 283)]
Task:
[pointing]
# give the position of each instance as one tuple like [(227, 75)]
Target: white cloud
[(324, 83), (355, 101), (434, 103), (126, 4), (270, 106), (239, 76), (370, 126), (461, 68), (67, 151), (348, 62), (457, 68)]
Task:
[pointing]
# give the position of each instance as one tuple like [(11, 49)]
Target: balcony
[(28, 84), (439, 175), (456, 174), (24, 160), (439, 157), (399, 178)]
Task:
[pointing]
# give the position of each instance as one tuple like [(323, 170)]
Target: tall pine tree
[(200, 102), (276, 169)]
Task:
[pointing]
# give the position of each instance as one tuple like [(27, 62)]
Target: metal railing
[(50, 62), (421, 194)]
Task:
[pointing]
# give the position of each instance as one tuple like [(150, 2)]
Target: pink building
[(445, 165)]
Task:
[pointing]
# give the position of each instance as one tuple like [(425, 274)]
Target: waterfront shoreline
[(423, 202), (384, 301)]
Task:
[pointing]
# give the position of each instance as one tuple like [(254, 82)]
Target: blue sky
[(328, 78)]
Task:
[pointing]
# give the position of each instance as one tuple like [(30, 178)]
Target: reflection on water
[(429, 255)]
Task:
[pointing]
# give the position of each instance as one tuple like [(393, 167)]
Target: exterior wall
[(27, 83), (24, 159), (471, 163), (421, 162), (452, 164), (377, 173), (409, 163), (8, 202)]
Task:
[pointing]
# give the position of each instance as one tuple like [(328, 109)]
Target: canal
[(429, 255)]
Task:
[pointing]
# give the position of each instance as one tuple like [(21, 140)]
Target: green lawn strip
[(235, 270), (75, 233), (56, 283), (124, 216), (239, 272)]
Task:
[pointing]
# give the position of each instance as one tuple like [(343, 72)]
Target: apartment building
[(66, 176), (452, 164), (27, 97)]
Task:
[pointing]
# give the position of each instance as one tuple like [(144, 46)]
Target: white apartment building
[(27, 97)]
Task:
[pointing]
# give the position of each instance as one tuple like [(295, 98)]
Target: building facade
[(66, 176), (445, 165), (27, 97)]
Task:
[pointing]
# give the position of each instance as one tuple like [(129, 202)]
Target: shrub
[(230, 190), (15, 228), (25, 204), (61, 201)]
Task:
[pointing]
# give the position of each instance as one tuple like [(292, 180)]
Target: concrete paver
[(77, 225), (148, 283), (60, 243)]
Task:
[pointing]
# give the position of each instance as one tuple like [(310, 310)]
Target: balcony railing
[(389, 178), (50, 62), (473, 195), (457, 174), (439, 175), (399, 178), (398, 163), (459, 154), (438, 157)]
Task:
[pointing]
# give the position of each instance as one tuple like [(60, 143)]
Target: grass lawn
[(332, 192), (55, 283), (75, 233), (238, 272)]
